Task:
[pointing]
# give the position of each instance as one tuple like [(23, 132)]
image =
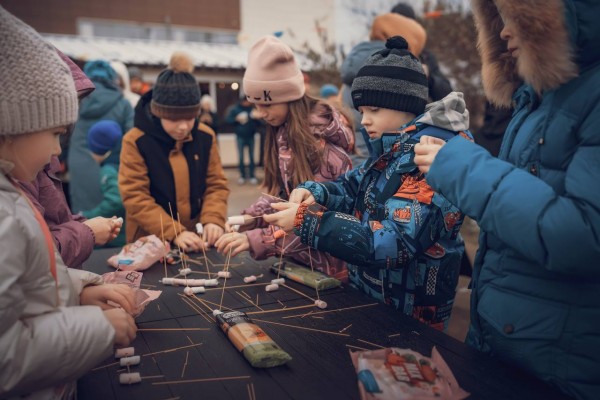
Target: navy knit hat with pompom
[(392, 78)]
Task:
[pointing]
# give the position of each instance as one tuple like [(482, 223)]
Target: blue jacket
[(398, 236), (106, 102), (536, 281)]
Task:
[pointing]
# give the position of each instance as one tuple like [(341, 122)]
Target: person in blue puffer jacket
[(536, 282)]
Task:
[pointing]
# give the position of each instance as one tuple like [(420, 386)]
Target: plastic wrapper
[(258, 348), (140, 255), (402, 374), (305, 276), (133, 279)]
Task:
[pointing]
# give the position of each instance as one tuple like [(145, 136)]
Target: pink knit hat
[(272, 74)]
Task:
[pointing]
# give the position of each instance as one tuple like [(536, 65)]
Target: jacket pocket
[(519, 316)]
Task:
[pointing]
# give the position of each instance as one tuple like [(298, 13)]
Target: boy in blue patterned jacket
[(399, 237)]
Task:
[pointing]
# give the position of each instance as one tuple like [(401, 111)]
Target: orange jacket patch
[(413, 188)]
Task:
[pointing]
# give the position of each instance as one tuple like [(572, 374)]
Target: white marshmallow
[(217, 312), (210, 282), (191, 291), (278, 281), (224, 274), (183, 282), (236, 220), (129, 361), (128, 379), (321, 304), (199, 228), (236, 228), (124, 352), (250, 279), (272, 287), (185, 271)]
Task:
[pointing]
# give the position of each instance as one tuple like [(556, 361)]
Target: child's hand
[(212, 232), (301, 196), (100, 295), (117, 224), (103, 229), (237, 241), (426, 151), (189, 241), (285, 217), (124, 325)]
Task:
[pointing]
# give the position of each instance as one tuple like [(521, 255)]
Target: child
[(47, 339), (170, 163), (104, 136), (536, 280), (305, 140), (398, 236), (73, 235)]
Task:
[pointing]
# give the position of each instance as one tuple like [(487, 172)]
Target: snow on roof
[(149, 52)]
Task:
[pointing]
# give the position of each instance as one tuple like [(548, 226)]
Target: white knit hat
[(36, 88)]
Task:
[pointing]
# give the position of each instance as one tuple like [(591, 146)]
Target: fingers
[(124, 296), (298, 195), (281, 207)]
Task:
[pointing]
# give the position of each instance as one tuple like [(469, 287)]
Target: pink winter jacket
[(337, 140)]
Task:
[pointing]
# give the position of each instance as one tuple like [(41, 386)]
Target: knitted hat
[(100, 69), (392, 78), (83, 85), (36, 88), (103, 136), (404, 9), (328, 90), (176, 94), (388, 25), (272, 75)]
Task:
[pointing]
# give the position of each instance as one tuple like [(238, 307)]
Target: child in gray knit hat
[(399, 237), (52, 325)]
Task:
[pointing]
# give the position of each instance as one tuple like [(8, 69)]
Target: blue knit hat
[(99, 69), (328, 90), (103, 136)]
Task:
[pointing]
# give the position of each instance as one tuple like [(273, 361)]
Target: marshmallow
[(236, 220), (128, 379), (124, 352), (199, 228), (250, 279), (224, 274), (321, 304), (272, 287), (195, 290), (217, 312), (278, 281), (129, 361), (210, 282), (185, 271)]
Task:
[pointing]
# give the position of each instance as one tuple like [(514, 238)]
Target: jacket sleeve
[(48, 348), (111, 203), (75, 242), (378, 244), (214, 204), (134, 185), (338, 195), (559, 232)]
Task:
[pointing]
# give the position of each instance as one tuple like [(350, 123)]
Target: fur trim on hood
[(546, 55)]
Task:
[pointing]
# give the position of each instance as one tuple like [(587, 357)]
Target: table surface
[(318, 341)]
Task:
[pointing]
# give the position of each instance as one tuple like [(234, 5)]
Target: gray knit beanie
[(36, 88), (176, 94), (392, 78)]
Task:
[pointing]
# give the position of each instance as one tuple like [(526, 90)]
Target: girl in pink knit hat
[(305, 140)]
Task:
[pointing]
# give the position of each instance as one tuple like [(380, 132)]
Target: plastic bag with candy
[(140, 255), (132, 279), (403, 374)]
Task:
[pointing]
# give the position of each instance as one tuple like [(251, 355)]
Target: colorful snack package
[(140, 255), (258, 348), (298, 273), (132, 279), (403, 374)]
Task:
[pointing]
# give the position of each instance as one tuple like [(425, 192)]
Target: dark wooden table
[(321, 367)]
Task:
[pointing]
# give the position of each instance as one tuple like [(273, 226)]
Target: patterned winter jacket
[(398, 236), (337, 141)]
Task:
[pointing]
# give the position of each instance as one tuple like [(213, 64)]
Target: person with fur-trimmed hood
[(536, 280)]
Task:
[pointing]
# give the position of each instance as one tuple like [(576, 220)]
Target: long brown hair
[(304, 146)]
